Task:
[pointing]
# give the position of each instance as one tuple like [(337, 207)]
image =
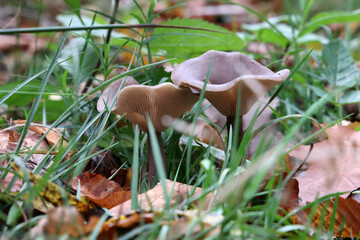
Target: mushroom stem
[(151, 162), (231, 123)]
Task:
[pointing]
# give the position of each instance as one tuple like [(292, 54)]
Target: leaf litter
[(321, 195)]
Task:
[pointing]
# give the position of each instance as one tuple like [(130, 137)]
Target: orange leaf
[(347, 209), (333, 164), (101, 190)]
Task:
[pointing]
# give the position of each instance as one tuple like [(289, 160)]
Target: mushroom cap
[(109, 93), (229, 72), (157, 101)]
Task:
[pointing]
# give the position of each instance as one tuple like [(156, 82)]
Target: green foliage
[(284, 35), (27, 93), (248, 204), (74, 5), (185, 43), (79, 59), (339, 68), (350, 97), (326, 18)]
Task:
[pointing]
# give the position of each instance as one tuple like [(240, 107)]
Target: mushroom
[(230, 71), (219, 120), (166, 99), (109, 94)]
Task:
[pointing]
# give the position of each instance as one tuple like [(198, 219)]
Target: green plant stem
[(151, 162), (97, 27), (107, 40), (230, 123)]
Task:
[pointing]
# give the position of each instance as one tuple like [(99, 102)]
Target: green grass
[(247, 196)]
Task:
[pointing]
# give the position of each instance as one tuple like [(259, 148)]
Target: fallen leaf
[(333, 165), (49, 195), (101, 190), (60, 221), (53, 137), (346, 217), (9, 141), (155, 198), (4, 141), (4, 183), (179, 223), (207, 134)]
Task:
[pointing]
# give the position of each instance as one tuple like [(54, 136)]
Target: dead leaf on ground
[(333, 164), (63, 220), (179, 226), (347, 211), (9, 140), (26, 42), (101, 190), (5, 183), (207, 134), (53, 137), (155, 198), (50, 195)]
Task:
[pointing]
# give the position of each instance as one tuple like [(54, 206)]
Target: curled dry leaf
[(9, 141), (53, 137), (101, 190), (333, 164), (155, 198)]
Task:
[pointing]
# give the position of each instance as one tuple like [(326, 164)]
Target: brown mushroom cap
[(157, 101), (109, 94), (229, 70)]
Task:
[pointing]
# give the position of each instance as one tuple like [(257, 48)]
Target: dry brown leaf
[(9, 140), (101, 190), (333, 164), (178, 227), (53, 137), (4, 141), (4, 183), (155, 199), (207, 134), (26, 42), (129, 220), (63, 220), (347, 209), (50, 195)]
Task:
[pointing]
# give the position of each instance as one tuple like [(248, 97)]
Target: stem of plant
[(151, 162), (230, 123)]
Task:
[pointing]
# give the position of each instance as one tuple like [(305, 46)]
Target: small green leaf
[(326, 18), (26, 94), (339, 68), (70, 59), (350, 97), (187, 43), (74, 5)]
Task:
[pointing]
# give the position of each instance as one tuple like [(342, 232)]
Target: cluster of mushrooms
[(230, 72)]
